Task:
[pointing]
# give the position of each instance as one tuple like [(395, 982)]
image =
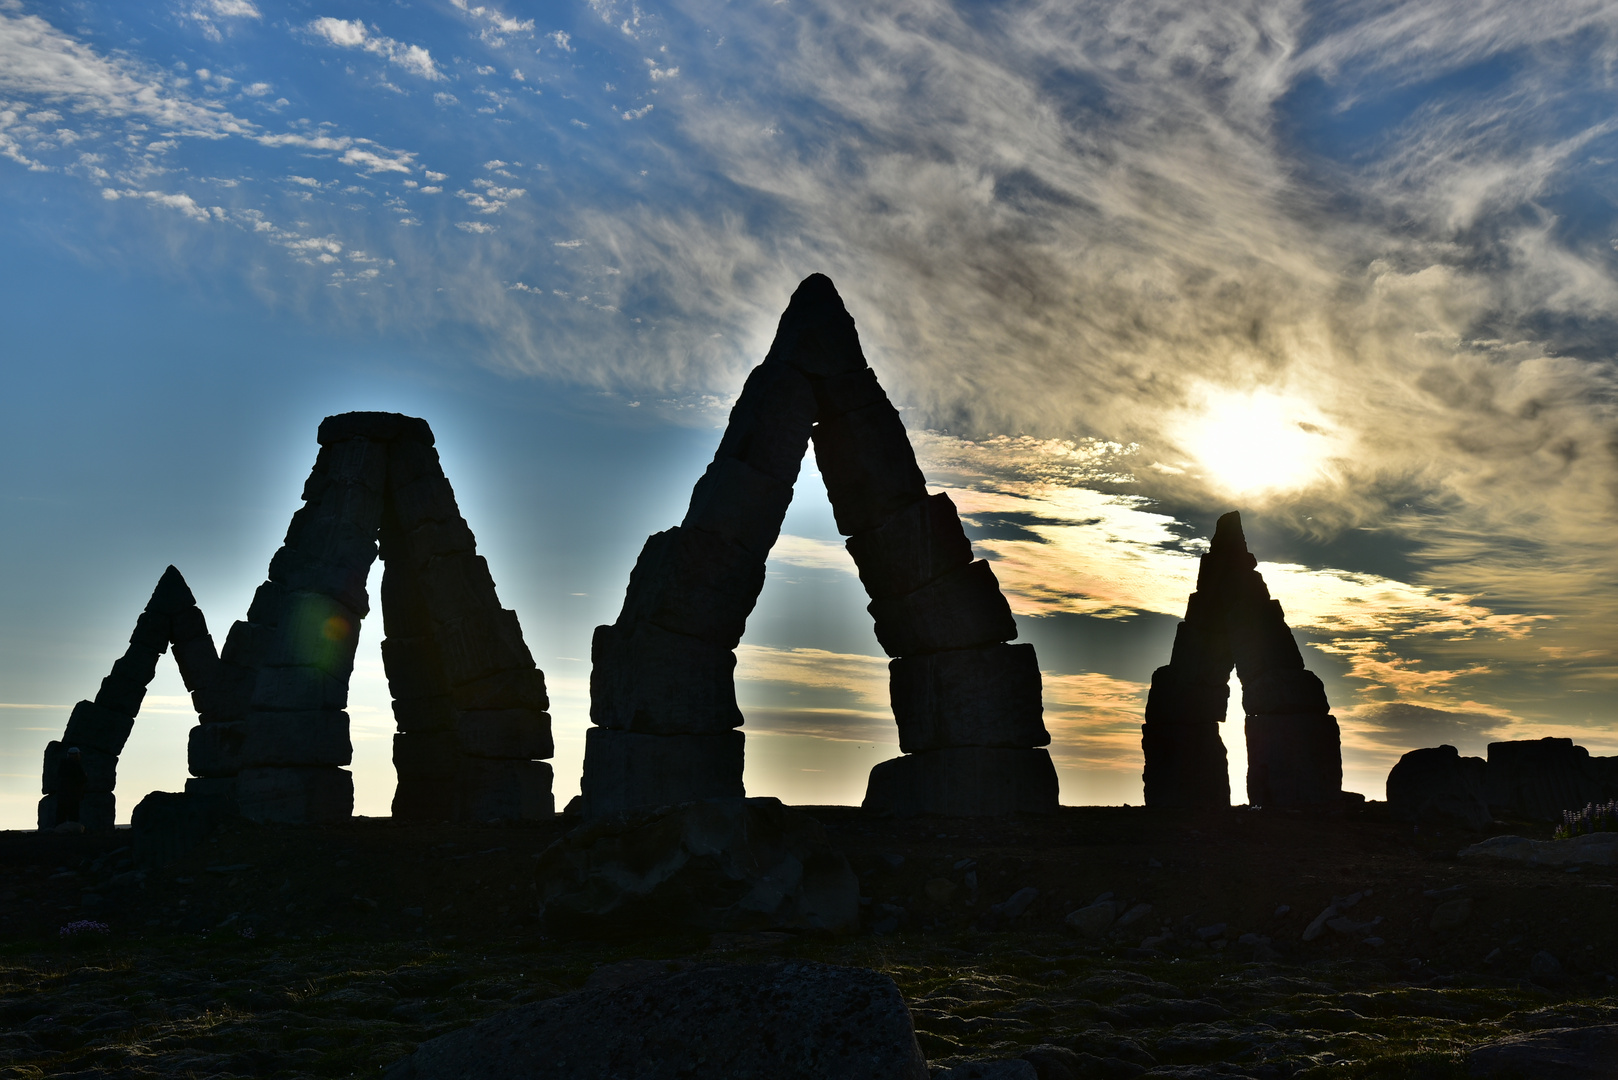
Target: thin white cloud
[(354, 34), (480, 227), (495, 23), (180, 201)]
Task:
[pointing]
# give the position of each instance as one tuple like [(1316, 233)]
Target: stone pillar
[(469, 703), (662, 678)]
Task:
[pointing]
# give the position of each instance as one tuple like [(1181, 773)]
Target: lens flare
[(335, 628), (1252, 443)]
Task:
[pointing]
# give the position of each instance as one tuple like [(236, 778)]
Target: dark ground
[(331, 951)]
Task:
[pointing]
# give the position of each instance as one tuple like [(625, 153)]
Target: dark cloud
[(1405, 726)]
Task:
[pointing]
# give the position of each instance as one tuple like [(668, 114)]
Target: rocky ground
[(333, 951)]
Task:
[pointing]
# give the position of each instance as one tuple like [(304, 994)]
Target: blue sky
[(1350, 268)]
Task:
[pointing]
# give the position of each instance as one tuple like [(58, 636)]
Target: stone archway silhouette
[(273, 733), (662, 691), (1294, 747)]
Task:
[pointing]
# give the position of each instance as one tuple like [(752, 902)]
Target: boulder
[(964, 609), (300, 688), (1540, 778), (121, 695), (312, 794), (716, 864), (917, 544), (1439, 785), (1591, 849), (964, 782), (776, 1021), (216, 749), (167, 824), (968, 697), (478, 646), (1178, 697), (1583, 1053), (512, 688), (695, 583), (628, 770), (504, 733), (1294, 761)]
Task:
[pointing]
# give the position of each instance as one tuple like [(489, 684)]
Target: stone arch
[(1294, 747), (273, 734), (662, 691), (100, 728)]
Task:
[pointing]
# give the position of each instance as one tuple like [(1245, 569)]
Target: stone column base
[(296, 795), (1294, 760), (626, 770)]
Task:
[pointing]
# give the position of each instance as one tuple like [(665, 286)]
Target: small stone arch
[(1294, 747), (662, 690)]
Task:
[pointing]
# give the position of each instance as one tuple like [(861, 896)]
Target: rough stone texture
[(91, 727), (1592, 849), (964, 782), (503, 789), (309, 794), (97, 811), (916, 545), (1294, 761), (778, 1021), (647, 679), (770, 423), (961, 610), (968, 697), (715, 864), (627, 770), (519, 734), (1584, 1053), (1540, 778), (221, 787), (695, 583), (868, 465), (1294, 746), (740, 503), (296, 738), (215, 750), (1439, 785), (168, 824)]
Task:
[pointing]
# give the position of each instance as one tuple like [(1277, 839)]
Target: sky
[(1349, 268)]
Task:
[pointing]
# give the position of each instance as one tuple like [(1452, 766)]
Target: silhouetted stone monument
[(1440, 786), (273, 733), (662, 688), (1294, 751)]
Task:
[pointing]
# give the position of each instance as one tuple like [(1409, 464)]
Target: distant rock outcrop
[(1540, 778), (1439, 785), (1294, 753), (662, 691), (780, 1021)]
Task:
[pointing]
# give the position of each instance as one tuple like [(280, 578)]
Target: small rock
[(1542, 965), (1017, 903), (1493, 957), (1208, 933), (940, 890), (1318, 926), (1450, 915), (1373, 942), (893, 861), (1134, 914), (965, 864), (1282, 910), (1252, 939), (1092, 921)]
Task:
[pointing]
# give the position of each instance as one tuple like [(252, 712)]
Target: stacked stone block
[(1293, 743), (100, 728), (662, 682)]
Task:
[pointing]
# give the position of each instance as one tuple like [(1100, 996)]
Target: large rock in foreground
[(718, 864), (1439, 785), (782, 1021), (966, 781)]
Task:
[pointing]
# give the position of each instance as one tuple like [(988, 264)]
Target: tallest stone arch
[(662, 689)]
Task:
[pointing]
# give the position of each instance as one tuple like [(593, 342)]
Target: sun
[(1259, 442)]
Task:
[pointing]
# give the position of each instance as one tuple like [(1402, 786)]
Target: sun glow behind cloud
[(1256, 443)]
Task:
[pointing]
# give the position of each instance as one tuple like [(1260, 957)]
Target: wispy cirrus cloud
[(354, 34)]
